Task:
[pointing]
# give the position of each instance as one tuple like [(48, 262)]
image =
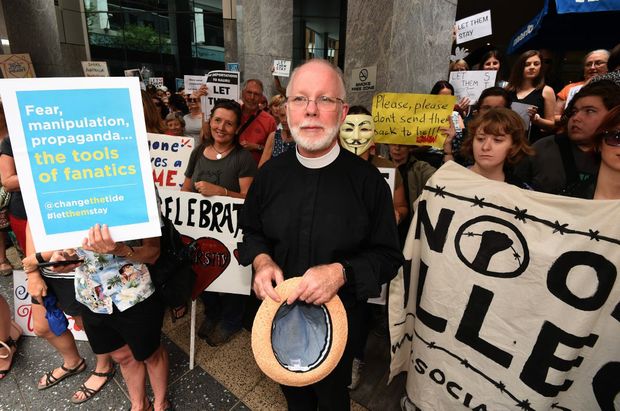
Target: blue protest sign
[(80, 150), (586, 6)]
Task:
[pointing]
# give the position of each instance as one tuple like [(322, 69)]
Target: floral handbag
[(5, 197)]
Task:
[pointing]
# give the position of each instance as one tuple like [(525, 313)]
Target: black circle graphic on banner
[(493, 241), (363, 75)]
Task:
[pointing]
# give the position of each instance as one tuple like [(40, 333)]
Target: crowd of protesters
[(572, 148)]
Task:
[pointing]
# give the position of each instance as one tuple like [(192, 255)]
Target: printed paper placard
[(473, 27), (169, 158), (193, 83), (16, 66), (210, 225), (221, 85), (81, 153), (156, 81), (470, 84), (412, 119), (95, 69), (232, 67), (282, 68), (508, 299), (23, 308)]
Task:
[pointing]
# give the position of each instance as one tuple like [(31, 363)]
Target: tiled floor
[(225, 378)]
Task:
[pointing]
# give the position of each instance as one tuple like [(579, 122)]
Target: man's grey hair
[(253, 80), (342, 94)]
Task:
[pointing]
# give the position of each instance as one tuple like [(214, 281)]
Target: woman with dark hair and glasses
[(221, 167), (606, 184)]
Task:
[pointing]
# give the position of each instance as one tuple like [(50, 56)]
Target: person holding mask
[(220, 166), (527, 85)]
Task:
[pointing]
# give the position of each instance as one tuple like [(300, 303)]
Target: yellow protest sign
[(412, 119), (16, 66)]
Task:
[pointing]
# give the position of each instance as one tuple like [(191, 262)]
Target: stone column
[(33, 29), (265, 33), (408, 40)]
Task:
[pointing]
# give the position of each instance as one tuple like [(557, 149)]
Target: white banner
[(23, 310), (169, 158), (509, 299), (471, 83), (211, 226), (156, 81)]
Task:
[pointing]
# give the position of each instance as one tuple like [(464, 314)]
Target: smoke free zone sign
[(363, 79)]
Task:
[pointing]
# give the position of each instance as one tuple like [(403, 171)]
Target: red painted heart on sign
[(210, 258)]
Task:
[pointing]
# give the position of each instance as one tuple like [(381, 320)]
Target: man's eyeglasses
[(597, 63), (193, 100), (611, 137), (323, 103)]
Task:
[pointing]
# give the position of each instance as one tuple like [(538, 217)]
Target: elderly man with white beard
[(324, 214)]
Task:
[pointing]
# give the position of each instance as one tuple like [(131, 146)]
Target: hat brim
[(263, 350)]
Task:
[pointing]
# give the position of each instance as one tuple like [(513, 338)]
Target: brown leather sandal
[(90, 392), (50, 380)]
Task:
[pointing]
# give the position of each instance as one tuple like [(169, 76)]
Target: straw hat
[(300, 344)]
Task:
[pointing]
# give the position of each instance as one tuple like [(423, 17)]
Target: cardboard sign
[(81, 153), (232, 66), (179, 83), (23, 308), (282, 68), (412, 119), (193, 83), (221, 85), (95, 69), (16, 66), (210, 225), (508, 300), (363, 79), (473, 27), (470, 84), (133, 73), (169, 158), (156, 81)]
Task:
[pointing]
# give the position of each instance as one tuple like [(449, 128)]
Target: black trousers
[(331, 393)]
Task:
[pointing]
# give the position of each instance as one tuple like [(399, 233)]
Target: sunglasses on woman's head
[(611, 137)]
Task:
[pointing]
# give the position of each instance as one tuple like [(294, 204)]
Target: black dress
[(534, 98)]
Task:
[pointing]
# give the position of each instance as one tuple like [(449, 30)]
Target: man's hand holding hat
[(319, 284), (265, 273)]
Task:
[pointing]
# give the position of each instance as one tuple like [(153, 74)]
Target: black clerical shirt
[(305, 217)]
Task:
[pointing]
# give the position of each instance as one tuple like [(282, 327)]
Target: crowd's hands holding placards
[(209, 189)]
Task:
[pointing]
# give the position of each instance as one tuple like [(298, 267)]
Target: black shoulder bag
[(172, 273)]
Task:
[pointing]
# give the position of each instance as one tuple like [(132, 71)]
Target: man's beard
[(314, 144)]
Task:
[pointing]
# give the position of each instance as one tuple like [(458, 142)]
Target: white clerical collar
[(319, 162)]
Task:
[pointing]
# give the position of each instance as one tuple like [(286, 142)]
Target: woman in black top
[(527, 85)]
